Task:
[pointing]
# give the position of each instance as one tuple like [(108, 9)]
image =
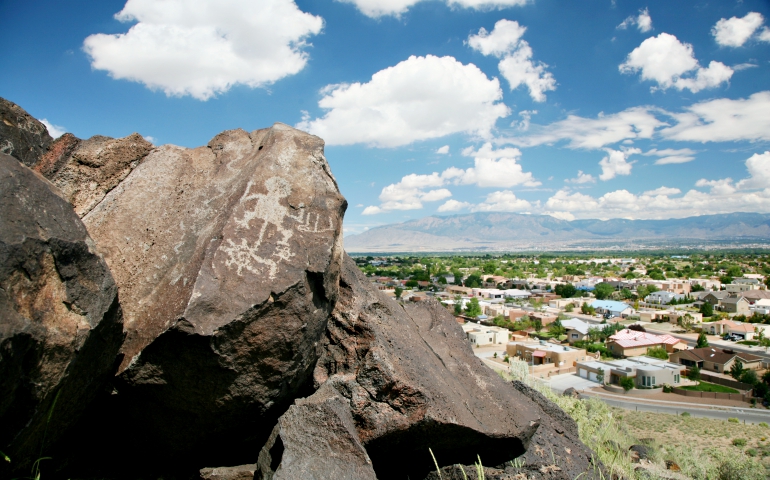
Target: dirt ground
[(700, 433)]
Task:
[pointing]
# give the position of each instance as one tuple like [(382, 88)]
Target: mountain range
[(491, 231)]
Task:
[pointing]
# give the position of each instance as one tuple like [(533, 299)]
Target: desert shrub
[(627, 383), (763, 424), (752, 452), (685, 414), (668, 389), (733, 420), (739, 442)]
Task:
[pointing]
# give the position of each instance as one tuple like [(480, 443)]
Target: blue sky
[(591, 109)]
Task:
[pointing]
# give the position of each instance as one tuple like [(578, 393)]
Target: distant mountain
[(513, 231)]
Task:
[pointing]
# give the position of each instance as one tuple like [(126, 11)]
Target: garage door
[(583, 373), (592, 376)]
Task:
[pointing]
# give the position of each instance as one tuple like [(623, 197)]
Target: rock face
[(227, 258), (60, 323), (315, 439), (86, 170), (22, 136), (252, 341)]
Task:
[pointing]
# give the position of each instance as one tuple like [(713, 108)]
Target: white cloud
[(150, 139), (665, 60), (516, 64), (667, 191), (582, 178), (616, 162), (55, 131), (526, 117), (723, 120), (502, 201), (744, 66), (734, 32), (204, 47), (764, 35), (592, 133), (751, 194), (643, 21), (380, 8), (718, 120), (418, 99), (453, 206), (671, 155), (443, 150), (492, 168)]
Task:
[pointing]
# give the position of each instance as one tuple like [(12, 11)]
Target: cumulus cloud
[(204, 47), (665, 60), (380, 8), (723, 120), (751, 194), (616, 162), (526, 117), (453, 206), (151, 139), (718, 120), (581, 178), (764, 35), (643, 21), (592, 133), (443, 150), (502, 201), (516, 64), (734, 32), (671, 155), (418, 99), (492, 168), (55, 131)]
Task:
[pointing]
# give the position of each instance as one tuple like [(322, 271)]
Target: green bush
[(752, 452), (733, 420), (627, 383), (685, 414), (739, 442), (763, 424)]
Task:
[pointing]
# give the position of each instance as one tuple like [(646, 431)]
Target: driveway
[(559, 383)]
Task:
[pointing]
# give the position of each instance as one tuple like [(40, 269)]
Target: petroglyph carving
[(269, 208)]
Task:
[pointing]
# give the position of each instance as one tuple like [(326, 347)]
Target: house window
[(716, 368)]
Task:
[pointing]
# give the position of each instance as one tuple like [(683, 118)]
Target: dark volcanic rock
[(86, 170), (21, 135), (414, 384), (227, 259), (315, 439), (60, 323)]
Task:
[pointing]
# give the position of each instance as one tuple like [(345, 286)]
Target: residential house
[(675, 286), (662, 297), (740, 287), (577, 330), (480, 335), (720, 327), (459, 290), (761, 306), (647, 372), (515, 314), (673, 316), (545, 318), (548, 353), (719, 360), (754, 295), (737, 305), (715, 297), (614, 308), (631, 343)]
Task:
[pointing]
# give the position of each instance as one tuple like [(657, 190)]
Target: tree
[(656, 274), (442, 280), (537, 324), (626, 294), (685, 322), (627, 383), (566, 291), (473, 309), (556, 328), (698, 288), (657, 352), (569, 308), (398, 291), (410, 283), (587, 309), (750, 377), (603, 290), (694, 373), (458, 308), (600, 375), (702, 341), (594, 334), (473, 281), (707, 310), (737, 369)]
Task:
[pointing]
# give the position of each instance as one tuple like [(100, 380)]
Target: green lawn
[(748, 342), (710, 387)]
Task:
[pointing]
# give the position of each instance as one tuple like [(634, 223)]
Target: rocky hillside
[(512, 231), (190, 313)]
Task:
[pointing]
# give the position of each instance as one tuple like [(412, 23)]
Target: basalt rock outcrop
[(254, 344), (60, 322), (21, 135)]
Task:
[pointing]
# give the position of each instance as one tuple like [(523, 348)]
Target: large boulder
[(414, 384), (60, 322), (21, 135), (86, 170), (227, 259)]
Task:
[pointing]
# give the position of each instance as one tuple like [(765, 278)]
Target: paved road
[(746, 415)]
